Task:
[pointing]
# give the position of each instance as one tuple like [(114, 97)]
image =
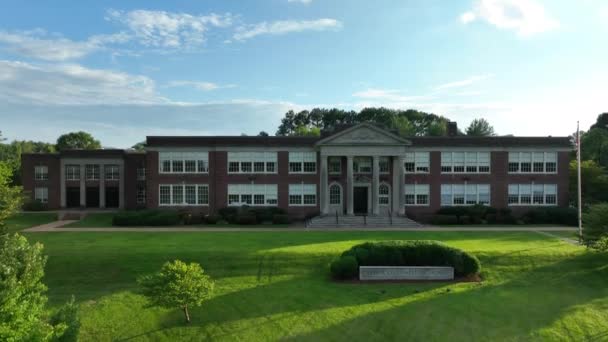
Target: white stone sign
[(406, 273)]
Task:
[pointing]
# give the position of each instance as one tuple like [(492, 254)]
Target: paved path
[(568, 240), (56, 227)]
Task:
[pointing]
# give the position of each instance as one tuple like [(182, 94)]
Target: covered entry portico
[(373, 183)]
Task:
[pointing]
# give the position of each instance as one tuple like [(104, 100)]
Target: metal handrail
[(390, 216), (337, 218), (365, 220)]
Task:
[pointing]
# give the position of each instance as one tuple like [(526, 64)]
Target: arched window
[(384, 193), (335, 194)]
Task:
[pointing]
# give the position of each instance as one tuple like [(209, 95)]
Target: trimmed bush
[(35, 206), (444, 219), (246, 219), (345, 268), (280, 219), (147, 218), (551, 215), (211, 219), (229, 214), (407, 253)]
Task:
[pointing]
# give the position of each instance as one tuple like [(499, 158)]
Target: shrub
[(246, 219), (229, 214), (189, 218), (212, 219), (444, 219), (595, 223), (345, 268), (35, 206), (280, 219), (67, 317), (146, 218), (601, 244), (552, 215), (408, 253)]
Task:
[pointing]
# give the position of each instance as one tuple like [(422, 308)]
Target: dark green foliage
[(264, 214), (440, 219), (280, 219), (77, 140), (246, 219), (67, 318), (345, 268), (34, 206), (411, 253), (474, 214), (480, 128), (595, 223), (552, 215), (229, 214), (188, 218), (212, 219), (147, 218)]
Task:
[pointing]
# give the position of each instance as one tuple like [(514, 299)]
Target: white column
[(395, 187), (401, 186), (102, 186), (323, 187), (375, 184), (83, 188), (349, 186)]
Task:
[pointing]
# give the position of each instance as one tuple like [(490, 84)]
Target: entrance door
[(72, 197), (92, 197), (112, 197), (360, 200)]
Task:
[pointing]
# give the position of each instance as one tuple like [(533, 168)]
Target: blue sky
[(125, 69)]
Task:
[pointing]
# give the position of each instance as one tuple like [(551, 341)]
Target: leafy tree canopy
[(263, 134), (140, 146), (480, 128), (601, 122), (594, 145), (11, 198), (77, 140)]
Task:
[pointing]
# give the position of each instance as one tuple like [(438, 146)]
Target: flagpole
[(580, 196)]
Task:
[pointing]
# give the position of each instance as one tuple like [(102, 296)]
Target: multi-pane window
[(335, 194), (112, 172), (532, 194), (302, 162), (532, 162), (362, 165), (141, 173), (72, 172), (383, 164), (384, 194), (141, 194), (252, 194), (41, 195), (183, 162), (302, 194), (182, 194), (91, 172), (335, 165), (465, 194), (252, 162), (41, 172), (417, 194), (465, 162), (417, 162)]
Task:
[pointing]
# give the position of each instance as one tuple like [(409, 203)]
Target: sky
[(122, 70)]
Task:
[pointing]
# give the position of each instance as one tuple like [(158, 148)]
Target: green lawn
[(274, 285), (567, 234), (27, 220)]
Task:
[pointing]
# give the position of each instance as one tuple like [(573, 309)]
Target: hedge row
[(480, 214), (404, 253), (147, 218), (248, 215)]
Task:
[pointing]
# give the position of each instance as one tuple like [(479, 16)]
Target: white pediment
[(364, 134)]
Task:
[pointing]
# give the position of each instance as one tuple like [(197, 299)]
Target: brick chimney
[(452, 128)]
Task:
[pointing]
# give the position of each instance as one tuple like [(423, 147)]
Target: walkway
[(568, 240)]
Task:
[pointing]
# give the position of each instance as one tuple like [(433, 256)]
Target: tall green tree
[(594, 183), (480, 128), (11, 198), (263, 134), (77, 140), (594, 146), (140, 146), (305, 131), (178, 285), (601, 121)]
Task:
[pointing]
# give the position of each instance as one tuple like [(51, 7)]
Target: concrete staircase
[(329, 221)]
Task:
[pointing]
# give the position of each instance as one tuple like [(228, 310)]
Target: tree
[(77, 140), (601, 122), (594, 146), (140, 146), (306, 131), (11, 197), (263, 134), (594, 182), (178, 285), (480, 128), (596, 223)]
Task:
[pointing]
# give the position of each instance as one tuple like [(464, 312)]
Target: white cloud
[(386, 95), (526, 17), (204, 86), (305, 2), (286, 26), (38, 44), (167, 29), (463, 83)]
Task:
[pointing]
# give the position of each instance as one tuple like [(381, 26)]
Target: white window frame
[(252, 158), (420, 161), (92, 172), (41, 172), (415, 190), (329, 165), (339, 186), (387, 196), (303, 159), (141, 173), (72, 172), (388, 165), (302, 190), (469, 159), (183, 203), (465, 192), (532, 186), (359, 161), (516, 157), (201, 162), (41, 194), (269, 191), (140, 195), (111, 172)]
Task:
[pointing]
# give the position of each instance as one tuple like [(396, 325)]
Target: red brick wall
[(28, 162)]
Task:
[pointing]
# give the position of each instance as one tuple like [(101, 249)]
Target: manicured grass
[(567, 234), (27, 220), (275, 285)]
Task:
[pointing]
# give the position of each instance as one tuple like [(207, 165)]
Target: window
[(302, 194), (92, 172), (302, 162), (532, 162), (384, 194), (416, 194), (183, 162), (72, 172), (362, 165), (465, 194), (41, 172), (252, 162), (384, 164), (532, 194), (41, 195), (141, 173), (465, 162), (181, 194), (112, 172), (335, 165), (417, 162), (141, 194), (335, 194), (252, 194)]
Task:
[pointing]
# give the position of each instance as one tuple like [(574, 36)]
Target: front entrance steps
[(329, 221)]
